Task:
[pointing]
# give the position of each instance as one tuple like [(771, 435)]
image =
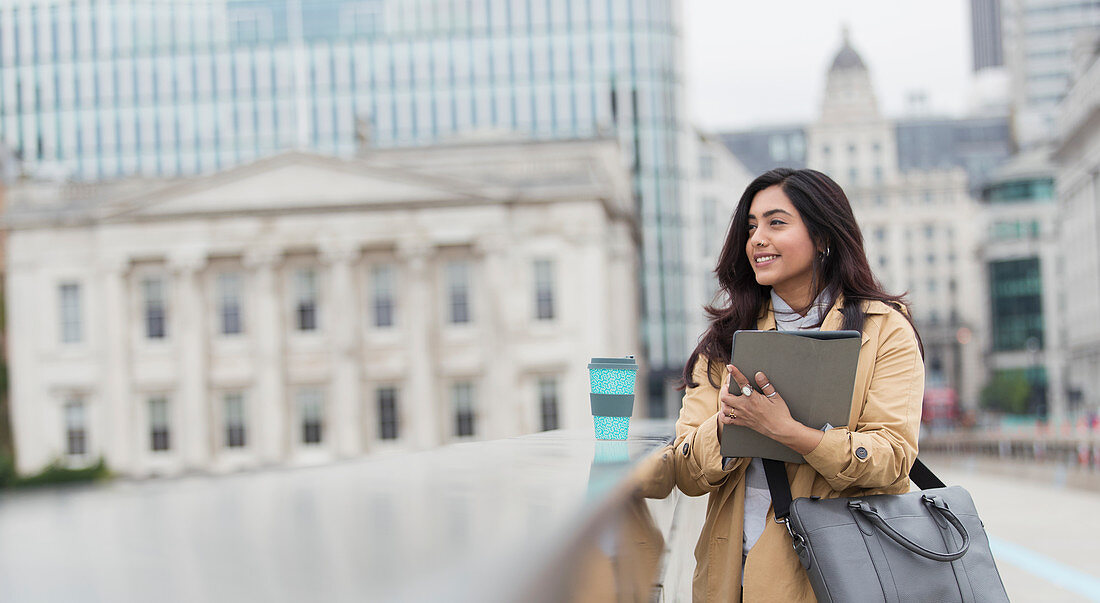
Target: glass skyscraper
[(102, 89)]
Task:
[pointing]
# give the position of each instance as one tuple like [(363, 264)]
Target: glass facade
[(109, 88), (1021, 191), (1016, 287)]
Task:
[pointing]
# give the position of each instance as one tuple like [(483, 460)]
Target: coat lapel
[(834, 321)]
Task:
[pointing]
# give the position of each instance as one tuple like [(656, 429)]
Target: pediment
[(293, 182)]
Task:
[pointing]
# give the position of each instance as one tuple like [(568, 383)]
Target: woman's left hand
[(768, 414), (765, 413)]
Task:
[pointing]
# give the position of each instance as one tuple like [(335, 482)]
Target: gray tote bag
[(927, 545)]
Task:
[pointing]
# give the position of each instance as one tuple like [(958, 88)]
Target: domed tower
[(851, 141), (849, 95)]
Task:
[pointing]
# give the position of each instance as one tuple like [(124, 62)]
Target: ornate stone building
[(304, 308), (920, 226)]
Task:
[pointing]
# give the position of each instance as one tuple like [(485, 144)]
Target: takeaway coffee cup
[(612, 395)]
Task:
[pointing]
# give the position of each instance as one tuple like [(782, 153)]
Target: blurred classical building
[(919, 224), (1077, 154), (1022, 255), (177, 87), (303, 308)]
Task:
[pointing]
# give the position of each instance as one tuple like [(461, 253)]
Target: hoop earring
[(825, 254)]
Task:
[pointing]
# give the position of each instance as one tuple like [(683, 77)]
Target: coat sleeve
[(881, 449), (699, 467)]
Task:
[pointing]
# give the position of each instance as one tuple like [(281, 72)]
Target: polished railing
[(555, 516)]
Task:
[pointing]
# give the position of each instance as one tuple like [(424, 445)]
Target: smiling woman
[(793, 260)]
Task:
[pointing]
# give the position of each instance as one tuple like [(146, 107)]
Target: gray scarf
[(786, 319)]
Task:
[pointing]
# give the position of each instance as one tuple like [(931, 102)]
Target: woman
[(793, 259)]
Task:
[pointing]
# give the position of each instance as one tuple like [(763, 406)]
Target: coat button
[(861, 453), (685, 449)]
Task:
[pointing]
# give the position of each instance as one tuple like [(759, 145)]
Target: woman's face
[(779, 248)]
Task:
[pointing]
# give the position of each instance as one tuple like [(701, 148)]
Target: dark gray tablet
[(814, 371)]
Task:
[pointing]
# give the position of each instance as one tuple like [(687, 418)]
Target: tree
[(1007, 391)]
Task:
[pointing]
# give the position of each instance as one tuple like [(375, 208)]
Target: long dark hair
[(842, 269)]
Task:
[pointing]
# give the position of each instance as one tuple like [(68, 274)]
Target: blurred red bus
[(941, 407)]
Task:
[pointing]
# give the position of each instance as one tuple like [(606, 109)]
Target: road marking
[(1046, 568)]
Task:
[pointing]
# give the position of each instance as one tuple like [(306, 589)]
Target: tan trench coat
[(885, 418)]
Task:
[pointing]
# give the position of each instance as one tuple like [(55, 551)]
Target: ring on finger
[(772, 395), (746, 390), (731, 415)]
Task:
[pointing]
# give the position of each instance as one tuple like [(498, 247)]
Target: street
[(1045, 538)]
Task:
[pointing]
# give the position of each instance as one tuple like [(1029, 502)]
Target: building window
[(360, 19), (710, 225), (382, 294), (929, 232), (706, 167), (882, 261), (310, 405), (229, 303), (305, 295), (853, 173), (931, 259), (76, 428), (233, 403), (880, 234), (155, 312), (158, 423), (878, 174), (71, 328), (1016, 288), (462, 396), (548, 403), (544, 289), (777, 146), (387, 413), (458, 292), (797, 147)]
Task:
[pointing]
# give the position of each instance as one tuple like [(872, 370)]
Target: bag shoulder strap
[(780, 488)]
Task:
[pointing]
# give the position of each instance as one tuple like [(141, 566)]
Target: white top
[(758, 499)]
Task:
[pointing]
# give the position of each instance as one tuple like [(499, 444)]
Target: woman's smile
[(764, 260)]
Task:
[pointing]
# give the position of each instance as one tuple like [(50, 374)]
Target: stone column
[(192, 391), (268, 407), (499, 403), (420, 409), (343, 329), (120, 436)]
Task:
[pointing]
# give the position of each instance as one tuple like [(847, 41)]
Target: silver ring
[(765, 385), (746, 391), (772, 395)]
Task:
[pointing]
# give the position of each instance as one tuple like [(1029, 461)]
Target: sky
[(763, 62)]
